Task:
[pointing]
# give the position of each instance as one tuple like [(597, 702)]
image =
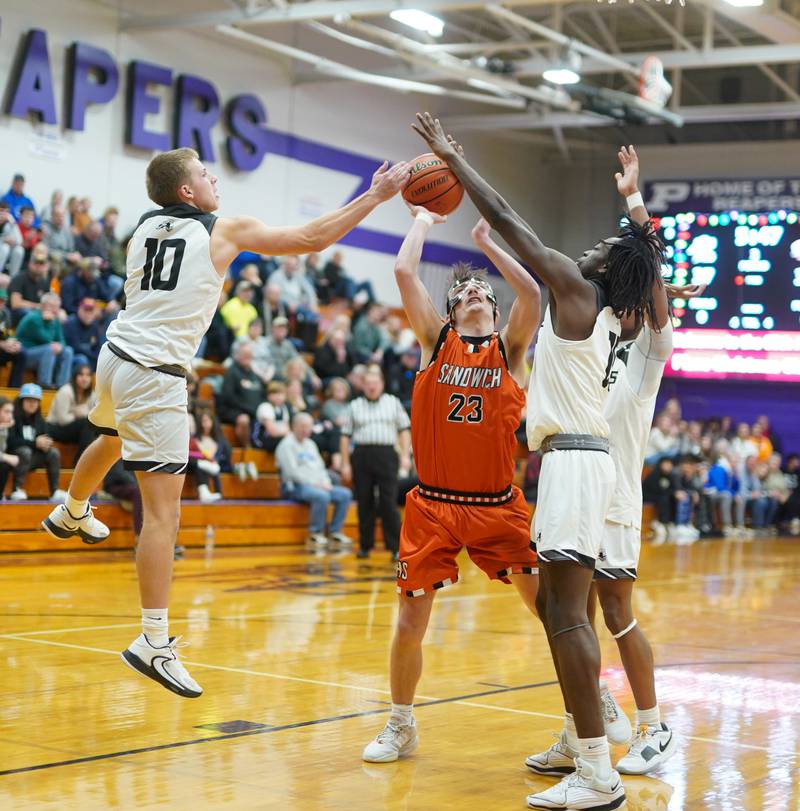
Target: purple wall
[(744, 401)]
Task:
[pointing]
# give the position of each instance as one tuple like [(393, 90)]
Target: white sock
[(76, 508), (648, 718), (401, 714), (602, 684), (154, 626), (570, 731), (595, 752)]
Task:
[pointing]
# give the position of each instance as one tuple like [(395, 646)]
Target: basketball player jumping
[(634, 381), (177, 259), (566, 399), (466, 407)]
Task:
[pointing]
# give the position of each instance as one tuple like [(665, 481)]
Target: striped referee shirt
[(375, 422)]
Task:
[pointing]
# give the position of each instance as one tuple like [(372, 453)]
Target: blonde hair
[(166, 173)]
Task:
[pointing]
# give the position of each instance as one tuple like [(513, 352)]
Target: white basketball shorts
[(575, 489), (147, 409), (619, 553)]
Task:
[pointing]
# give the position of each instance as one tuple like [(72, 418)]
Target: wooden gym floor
[(292, 652)]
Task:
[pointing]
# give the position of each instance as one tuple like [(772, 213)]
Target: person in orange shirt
[(761, 441), (465, 409)]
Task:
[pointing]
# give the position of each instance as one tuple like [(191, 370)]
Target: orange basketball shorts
[(497, 539)]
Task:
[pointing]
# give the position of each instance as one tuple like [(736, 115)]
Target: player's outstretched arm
[(558, 272), (525, 316), (628, 186), (422, 314), (244, 233)]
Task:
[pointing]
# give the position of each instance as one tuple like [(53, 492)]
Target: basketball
[(433, 185)]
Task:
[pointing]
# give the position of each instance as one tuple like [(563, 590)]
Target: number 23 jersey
[(172, 288), (465, 410)]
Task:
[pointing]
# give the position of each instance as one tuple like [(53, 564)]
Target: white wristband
[(634, 201), (425, 217)]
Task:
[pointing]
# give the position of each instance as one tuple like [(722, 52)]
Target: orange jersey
[(465, 410)]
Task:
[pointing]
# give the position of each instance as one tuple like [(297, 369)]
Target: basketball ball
[(433, 185)]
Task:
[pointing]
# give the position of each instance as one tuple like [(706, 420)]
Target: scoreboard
[(747, 323)]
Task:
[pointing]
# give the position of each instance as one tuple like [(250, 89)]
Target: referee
[(375, 424)]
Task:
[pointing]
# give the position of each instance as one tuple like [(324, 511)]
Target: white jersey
[(629, 411), (172, 289), (569, 380)]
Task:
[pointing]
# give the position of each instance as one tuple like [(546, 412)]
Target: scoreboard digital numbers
[(747, 323)]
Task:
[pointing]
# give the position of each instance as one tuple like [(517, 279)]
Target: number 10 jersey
[(465, 410), (172, 288)]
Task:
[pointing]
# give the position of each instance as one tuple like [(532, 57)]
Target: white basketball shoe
[(617, 724), (558, 760), (651, 747), (392, 742), (581, 791), (62, 524), (161, 664)]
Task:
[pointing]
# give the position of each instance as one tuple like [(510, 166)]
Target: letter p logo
[(664, 193)]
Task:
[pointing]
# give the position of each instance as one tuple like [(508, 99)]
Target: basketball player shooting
[(566, 420), (466, 407), (177, 260)]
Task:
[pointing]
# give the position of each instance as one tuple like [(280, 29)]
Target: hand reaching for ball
[(386, 181), (442, 145), (437, 218)]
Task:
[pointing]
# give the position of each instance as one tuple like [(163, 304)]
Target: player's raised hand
[(437, 218), (685, 291), (387, 181), (481, 232), (430, 129), (628, 178)]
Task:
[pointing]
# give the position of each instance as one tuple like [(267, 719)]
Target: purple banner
[(668, 197)]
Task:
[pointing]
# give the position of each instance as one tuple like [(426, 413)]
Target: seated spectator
[(241, 394), (776, 489), (27, 287), (60, 240), (202, 468), (721, 488), (662, 442), (398, 339), (68, 418), (86, 282), (46, 351), (29, 440), (12, 253), (295, 397), (212, 441), (333, 357), (238, 311), (116, 254), (279, 348), (305, 479), (11, 350), (297, 369), (8, 461), (315, 275), (340, 284), (85, 333), (335, 406), (687, 499), (690, 438), (56, 199), (273, 418), (31, 234), (272, 307), (81, 214), (91, 244), (218, 340), (16, 197), (297, 293), (761, 441), (789, 513), (356, 379), (658, 488), (753, 496), (263, 364), (249, 273), (742, 446), (767, 431), (400, 381), (369, 338)]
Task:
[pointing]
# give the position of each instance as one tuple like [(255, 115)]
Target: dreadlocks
[(633, 266)]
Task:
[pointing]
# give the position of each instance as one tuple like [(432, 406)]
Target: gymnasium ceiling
[(735, 71)]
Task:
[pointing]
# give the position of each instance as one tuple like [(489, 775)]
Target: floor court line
[(426, 700)]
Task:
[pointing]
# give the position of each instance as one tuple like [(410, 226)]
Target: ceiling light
[(420, 20), (561, 76), (745, 3)]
